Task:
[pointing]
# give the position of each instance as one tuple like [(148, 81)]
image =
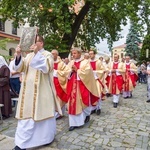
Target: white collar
[(116, 62), (56, 61), (92, 60), (77, 60), (128, 63), (41, 50)]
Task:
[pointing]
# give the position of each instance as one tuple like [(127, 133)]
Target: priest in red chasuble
[(130, 77), (81, 85), (115, 79), (99, 75), (60, 76)]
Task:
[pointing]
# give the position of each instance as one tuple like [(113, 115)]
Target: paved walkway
[(124, 128)]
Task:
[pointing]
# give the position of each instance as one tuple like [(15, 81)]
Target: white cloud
[(103, 46)]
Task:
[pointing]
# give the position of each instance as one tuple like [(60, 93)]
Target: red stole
[(115, 66), (56, 66), (73, 86), (115, 80), (129, 76), (59, 91), (93, 65)]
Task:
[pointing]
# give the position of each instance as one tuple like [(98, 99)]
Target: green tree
[(132, 42), (3, 43), (146, 45), (144, 23), (144, 16), (62, 27)]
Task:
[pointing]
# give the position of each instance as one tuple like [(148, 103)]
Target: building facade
[(119, 50), (8, 31)]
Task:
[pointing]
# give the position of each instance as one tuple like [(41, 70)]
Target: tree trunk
[(69, 38)]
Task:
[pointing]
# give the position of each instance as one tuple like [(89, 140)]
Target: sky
[(103, 46)]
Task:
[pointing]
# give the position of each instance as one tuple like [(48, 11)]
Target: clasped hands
[(128, 69), (113, 70), (74, 68)]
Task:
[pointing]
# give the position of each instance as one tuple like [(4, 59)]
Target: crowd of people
[(51, 85)]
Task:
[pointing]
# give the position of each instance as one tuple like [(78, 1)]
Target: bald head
[(107, 59), (55, 53), (66, 61), (86, 56)]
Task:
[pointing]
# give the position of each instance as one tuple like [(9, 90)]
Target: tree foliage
[(62, 27), (3, 43), (133, 41), (144, 23), (144, 16), (146, 45)]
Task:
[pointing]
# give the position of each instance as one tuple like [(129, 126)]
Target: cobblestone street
[(124, 128)]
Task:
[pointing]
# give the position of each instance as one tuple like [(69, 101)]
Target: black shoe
[(87, 119), (59, 117), (126, 97), (47, 144), (5, 117), (148, 101), (115, 105), (17, 148), (93, 111), (71, 128), (130, 96), (108, 95), (98, 112)]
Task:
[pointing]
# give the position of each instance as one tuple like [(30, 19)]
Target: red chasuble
[(129, 76), (59, 91), (78, 94), (116, 81)]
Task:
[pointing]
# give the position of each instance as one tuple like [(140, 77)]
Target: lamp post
[(147, 53)]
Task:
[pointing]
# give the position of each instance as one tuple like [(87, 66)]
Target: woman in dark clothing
[(4, 88)]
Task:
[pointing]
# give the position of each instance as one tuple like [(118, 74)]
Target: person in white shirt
[(148, 82), (14, 77), (143, 74)]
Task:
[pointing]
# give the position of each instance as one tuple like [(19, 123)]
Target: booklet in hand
[(28, 38)]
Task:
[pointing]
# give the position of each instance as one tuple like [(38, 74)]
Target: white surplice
[(78, 120), (32, 134), (36, 108)]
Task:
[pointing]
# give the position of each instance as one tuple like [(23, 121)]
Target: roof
[(124, 46), (5, 35), (120, 46)]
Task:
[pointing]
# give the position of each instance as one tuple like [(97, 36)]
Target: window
[(11, 51), (14, 30), (121, 55), (2, 25)]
